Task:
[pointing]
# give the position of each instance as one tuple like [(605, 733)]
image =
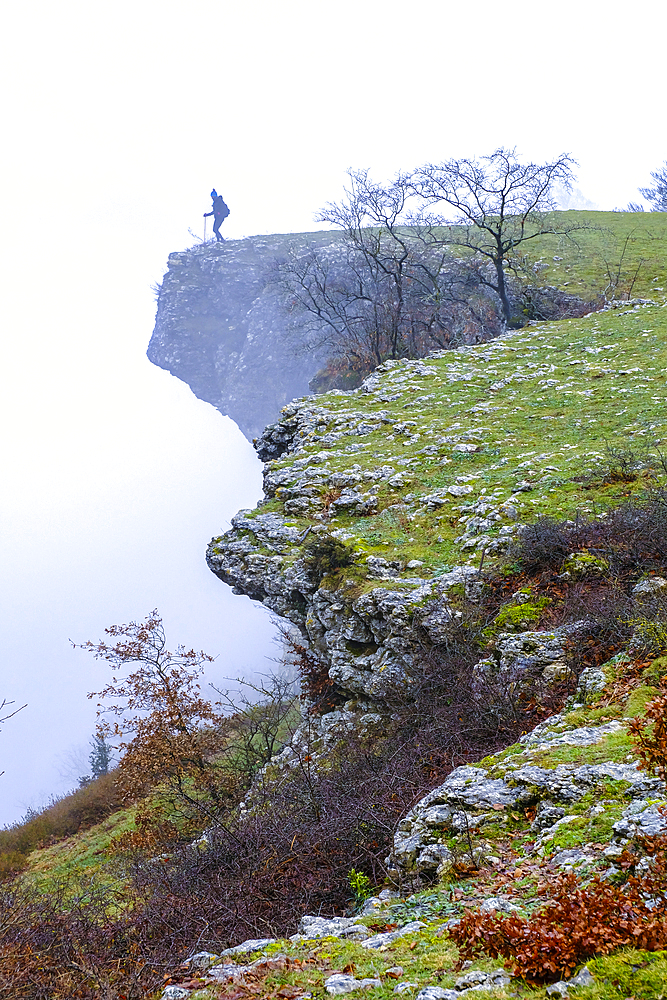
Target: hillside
[(433, 466), (469, 556), (222, 326)]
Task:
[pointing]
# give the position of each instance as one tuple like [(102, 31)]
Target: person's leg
[(216, 230)]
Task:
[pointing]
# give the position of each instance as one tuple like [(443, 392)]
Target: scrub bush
[(577, 923)]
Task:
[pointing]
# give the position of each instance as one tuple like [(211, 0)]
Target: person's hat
[(214, 193)]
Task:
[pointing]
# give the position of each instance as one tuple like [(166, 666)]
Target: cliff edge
[(222, 327)]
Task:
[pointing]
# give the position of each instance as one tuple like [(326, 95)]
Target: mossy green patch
[(638, 700), (614, 747), (628, 973), (518, 617), (656, 673), (591, 716)]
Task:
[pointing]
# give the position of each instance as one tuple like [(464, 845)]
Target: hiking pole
[(204, 229)]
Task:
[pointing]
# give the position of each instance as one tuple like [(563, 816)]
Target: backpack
[(220, 210)]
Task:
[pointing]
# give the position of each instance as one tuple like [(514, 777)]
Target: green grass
[(82, 856), (553, 405)]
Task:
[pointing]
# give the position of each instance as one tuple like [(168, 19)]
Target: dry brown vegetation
[(307, 825)]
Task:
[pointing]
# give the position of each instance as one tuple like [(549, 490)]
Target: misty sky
[(117, 120)]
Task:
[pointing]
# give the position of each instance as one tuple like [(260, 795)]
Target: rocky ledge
[(221, 327), (426, 474)]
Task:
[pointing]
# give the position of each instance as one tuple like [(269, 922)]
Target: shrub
[(649, 736), (632, 539), (324, 556), (578, 923)]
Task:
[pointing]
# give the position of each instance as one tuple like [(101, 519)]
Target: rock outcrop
[(222, 327)]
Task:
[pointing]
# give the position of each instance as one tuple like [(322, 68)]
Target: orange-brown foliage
[(577, 923)]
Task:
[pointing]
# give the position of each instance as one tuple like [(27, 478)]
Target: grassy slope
[(544, 404), (82, 856)]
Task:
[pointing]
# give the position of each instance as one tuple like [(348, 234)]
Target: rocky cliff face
[(223, 328)]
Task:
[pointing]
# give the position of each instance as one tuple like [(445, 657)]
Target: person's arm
[(206, 214)]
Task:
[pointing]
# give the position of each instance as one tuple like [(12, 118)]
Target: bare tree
[(657, 195), (391, 287), (4, 706), (162, 722), (497, 205)]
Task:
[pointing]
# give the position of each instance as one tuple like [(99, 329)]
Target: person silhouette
[(219, 213)]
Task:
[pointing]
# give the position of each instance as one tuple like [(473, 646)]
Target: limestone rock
[(478, 980), (584, 564), (470, 795), (221, 328), (524, 664), (340, 983), (312, 928), (562, 988), (437, 993), (378, 940), (649, 586), (252, 944), (202, 960), (175, 993)]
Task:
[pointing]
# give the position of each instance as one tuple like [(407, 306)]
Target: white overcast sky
[(117, 119)]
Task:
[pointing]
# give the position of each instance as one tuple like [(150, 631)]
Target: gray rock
[(175, 993), (581, 737), (227, 971), (340, 983), (202, 960), (572, 858), (526, 664), (641, 819), (380, 939), (440, 816), (432, 858), (381, 569), (437, 993), (546, 815), (583, 978), (252, 944), (380, 619), (469, 792), (416, 842), (591, 683), (478, 980), (498, 903), (312, 928), (562, 988), (650, 585), (220, 327), (470, 787), (405, 987), (375, 903)]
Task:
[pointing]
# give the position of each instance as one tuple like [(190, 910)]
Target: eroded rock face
[(222, 328), (474, 796), (367, 641), (527, 662)]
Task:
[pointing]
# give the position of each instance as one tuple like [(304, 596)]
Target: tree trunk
[(502, 290)]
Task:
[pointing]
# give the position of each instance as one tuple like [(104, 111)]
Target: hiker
[(219, 213)]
